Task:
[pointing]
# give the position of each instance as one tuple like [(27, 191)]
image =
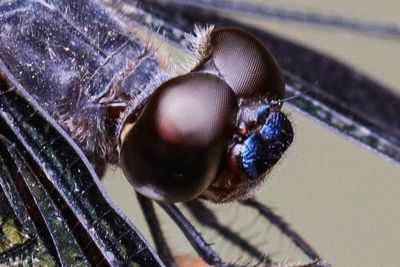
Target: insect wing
[(340, 97), (54, 210), (33, 144)]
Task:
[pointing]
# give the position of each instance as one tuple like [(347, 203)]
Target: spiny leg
[(206, 217), (284, 227), (196, 240), (155, 230)]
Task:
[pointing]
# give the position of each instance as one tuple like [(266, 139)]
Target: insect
[(354, 226), (99, 222)]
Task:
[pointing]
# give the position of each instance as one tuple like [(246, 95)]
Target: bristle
[(300, 263), (88, 129), (200, 41)]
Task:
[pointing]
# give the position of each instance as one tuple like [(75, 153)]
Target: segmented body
[(79, 63)]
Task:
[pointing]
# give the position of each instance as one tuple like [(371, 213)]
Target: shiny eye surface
[(213, 133), (245, 64), (173, 150)]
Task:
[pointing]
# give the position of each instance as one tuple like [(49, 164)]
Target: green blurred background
[(342, 198)]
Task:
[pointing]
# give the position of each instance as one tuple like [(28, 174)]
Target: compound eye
[(246, 64), (172, 151)]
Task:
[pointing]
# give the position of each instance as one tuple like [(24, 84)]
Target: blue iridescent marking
[(273, 126), (262, 113), (263, 149), (254, 156)]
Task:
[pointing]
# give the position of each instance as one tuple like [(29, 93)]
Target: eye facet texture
[(173, 151), (246, 64), (190, 139)]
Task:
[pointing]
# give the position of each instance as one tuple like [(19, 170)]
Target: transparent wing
[(53, 209), (60, 188), (339, 96), (336, 94)]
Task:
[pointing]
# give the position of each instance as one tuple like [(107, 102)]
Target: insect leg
[(206, 217), (196, 240), (283, 226), (155, 229)]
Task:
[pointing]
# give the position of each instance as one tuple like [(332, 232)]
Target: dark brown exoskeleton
[(213, 132), (217, 130)]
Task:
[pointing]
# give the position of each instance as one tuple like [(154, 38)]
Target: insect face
[(213, 132)]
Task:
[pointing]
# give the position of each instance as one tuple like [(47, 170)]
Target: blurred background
[(343, 199)]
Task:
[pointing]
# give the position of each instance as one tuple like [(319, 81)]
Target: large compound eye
[(246, 64), (172, 152)]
